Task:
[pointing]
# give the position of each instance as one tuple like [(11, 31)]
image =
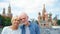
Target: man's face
[(23, 18)]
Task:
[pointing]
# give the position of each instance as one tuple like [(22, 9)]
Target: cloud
[(31, 5), (28, 6)]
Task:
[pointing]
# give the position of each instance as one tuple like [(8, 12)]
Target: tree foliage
[(5, 21), (58, 22)]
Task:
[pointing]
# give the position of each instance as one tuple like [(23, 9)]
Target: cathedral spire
[(44, 10), (3, 12), (9, 11), (39, 13), (44, 13)]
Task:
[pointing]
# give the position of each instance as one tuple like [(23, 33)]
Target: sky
[(31, 7)]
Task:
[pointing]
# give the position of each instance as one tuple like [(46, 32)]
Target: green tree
[(3, 21), (7, 21), (0, 20), (58, 22)]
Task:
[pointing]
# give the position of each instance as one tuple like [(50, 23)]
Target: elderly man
[(28, 27)]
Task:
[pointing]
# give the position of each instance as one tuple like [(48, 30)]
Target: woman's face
[(16, 22)]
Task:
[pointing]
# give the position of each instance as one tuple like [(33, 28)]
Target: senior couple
[(27, 27)]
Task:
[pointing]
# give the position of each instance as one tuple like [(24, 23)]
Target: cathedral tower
[(9, 11), (3, 14), (44, 14)]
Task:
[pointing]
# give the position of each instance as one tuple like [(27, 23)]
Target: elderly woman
[(14, 28)]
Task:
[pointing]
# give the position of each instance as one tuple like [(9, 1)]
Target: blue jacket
[(34, 28)]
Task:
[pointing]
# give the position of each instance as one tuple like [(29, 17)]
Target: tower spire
[(3, 12), (44, 10), (9, 11)]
